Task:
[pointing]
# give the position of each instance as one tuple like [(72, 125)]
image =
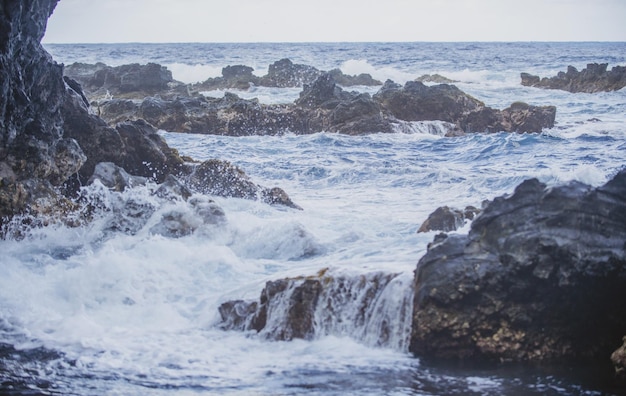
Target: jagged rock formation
[(540, 276), (618, 357), (51, 142), (447, 219), (325, 106), (594, 78), (373, 308)]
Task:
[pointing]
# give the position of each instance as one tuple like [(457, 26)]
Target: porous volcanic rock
[(51, 140), (541, 276), (594, 78)]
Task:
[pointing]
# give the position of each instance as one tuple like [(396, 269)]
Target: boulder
[(217, 177), (368, 307), (594, 78), (284, 73), (131, 80), (447, 219), (618, 357), (345, 80), (541, 276), (418, 102)]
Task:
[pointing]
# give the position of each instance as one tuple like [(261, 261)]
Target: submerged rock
[(540, 276), (594, 78)]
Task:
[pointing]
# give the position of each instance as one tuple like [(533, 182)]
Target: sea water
[(95, 311)]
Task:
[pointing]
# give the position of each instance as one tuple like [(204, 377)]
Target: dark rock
[(233, 77), (594, 78), (345, 80), (115, 177), (418, 102), (540, 276), (50, 140), (217, 177), (618, 357), (435, 78), (447, 219), (172, 188), (314, 306), (102, 81), (33, 151), (284, 73)]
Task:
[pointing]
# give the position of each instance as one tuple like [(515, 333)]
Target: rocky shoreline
[(541, 275), (148, 92), (594, 78)]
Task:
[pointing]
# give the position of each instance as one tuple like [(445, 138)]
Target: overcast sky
[(111, 21)]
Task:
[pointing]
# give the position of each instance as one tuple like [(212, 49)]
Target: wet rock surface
[(324, 304), (324, 105), (540, 276), (447, 219), (51, 140), (594, 78)]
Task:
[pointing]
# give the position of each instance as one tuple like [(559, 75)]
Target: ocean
[(92, 311)]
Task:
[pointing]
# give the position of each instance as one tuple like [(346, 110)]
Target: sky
[(172, 21)]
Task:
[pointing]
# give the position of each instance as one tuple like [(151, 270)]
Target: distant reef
[(594, 78), (148, 92)]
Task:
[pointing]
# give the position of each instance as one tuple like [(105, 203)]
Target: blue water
[(91, 311)]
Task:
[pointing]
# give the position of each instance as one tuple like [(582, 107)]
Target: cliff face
[(34, 156), (50, 140)]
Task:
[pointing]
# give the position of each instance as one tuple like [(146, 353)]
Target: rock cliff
[(50, 139), (540, 276)]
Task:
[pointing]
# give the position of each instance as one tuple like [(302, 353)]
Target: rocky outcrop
[(540, 276), (618, 357), (325, 106), (51, 142), (418, 102), (594, 78), (35, 156), (371, 307), (131, 81), (447, 219)]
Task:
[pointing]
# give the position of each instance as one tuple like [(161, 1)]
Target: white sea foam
[(190, 74)]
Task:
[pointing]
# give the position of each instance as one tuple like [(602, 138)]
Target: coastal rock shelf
[(323, 104), (594, 78), (540, 276)]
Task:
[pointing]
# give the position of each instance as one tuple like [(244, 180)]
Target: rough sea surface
[(91, 311)]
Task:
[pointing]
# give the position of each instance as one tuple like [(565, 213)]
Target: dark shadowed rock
[(323, 304), (447, 219), (217, 177), (346, 80), (50, 139), (618, 357), (284, 73), (594, 78), (101, 81), (540, 276)]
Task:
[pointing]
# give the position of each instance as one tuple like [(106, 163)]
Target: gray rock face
[(540, 276), (594, 78), (324, 106), (50, 140)]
